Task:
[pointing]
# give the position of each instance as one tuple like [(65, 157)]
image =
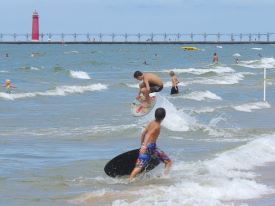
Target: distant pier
[(140, 38)]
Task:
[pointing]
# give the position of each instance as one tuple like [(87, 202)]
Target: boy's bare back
[(152, 133), (152, 78)]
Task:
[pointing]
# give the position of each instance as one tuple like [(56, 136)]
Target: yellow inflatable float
[(190, 48)]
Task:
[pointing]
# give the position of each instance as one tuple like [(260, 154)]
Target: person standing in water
[(149, 148), (8, 86), (150, 83), (215, 58), (175, 81)]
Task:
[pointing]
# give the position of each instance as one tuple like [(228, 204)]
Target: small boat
[(190, 48)]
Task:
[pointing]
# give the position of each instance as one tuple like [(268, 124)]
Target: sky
[(134, 16)]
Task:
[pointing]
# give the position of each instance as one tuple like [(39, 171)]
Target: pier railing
[(141, 37)]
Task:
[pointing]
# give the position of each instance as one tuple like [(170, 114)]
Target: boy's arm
[(143, 143), (175, 81), (146, 84), (139, 92), (142, 137)]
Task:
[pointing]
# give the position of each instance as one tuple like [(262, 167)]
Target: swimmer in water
[(8, 86), (215, 58)]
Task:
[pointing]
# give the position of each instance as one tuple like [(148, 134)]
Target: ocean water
[(70, 113)]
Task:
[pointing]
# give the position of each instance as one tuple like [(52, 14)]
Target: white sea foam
[(175, 120), (169, 84), (196, 71), (133, 85), (204, 110), (225, 79), (201, 96), (236, 55), (219, 47), (256, 48), (58, 91), (268, 63), (65, 131), (71, 52), (3, 71), (249, 107), (216, 182), (79, 75), (34, 68)]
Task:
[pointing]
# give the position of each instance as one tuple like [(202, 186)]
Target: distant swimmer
[(7, 55), (215, 58), (145, 62), (8, 86), (175, 81), (149, 147), (237, 60), (260, 55), (150, 83)]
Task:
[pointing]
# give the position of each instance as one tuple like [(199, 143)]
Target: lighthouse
[(35, 26)]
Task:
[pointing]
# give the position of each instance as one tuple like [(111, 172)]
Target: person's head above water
[(160, 114), (138, 75), (171, 73)]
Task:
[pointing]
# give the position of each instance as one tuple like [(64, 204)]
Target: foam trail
[(58, 91), (79, 75), (175, 120), (249, 107)]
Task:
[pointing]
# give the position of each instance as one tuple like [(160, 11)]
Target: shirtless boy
[(215, 58), (175, 81), (8, 86), (149, 148), (151, 83)]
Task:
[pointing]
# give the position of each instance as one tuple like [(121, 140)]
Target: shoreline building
[(35, 26)]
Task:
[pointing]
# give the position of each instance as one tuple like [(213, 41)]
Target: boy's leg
[(168, 164), (165, 159), (141, 163), (134, 173)]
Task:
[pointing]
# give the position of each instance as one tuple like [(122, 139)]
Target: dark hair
[(160, 114), (137, 74)]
